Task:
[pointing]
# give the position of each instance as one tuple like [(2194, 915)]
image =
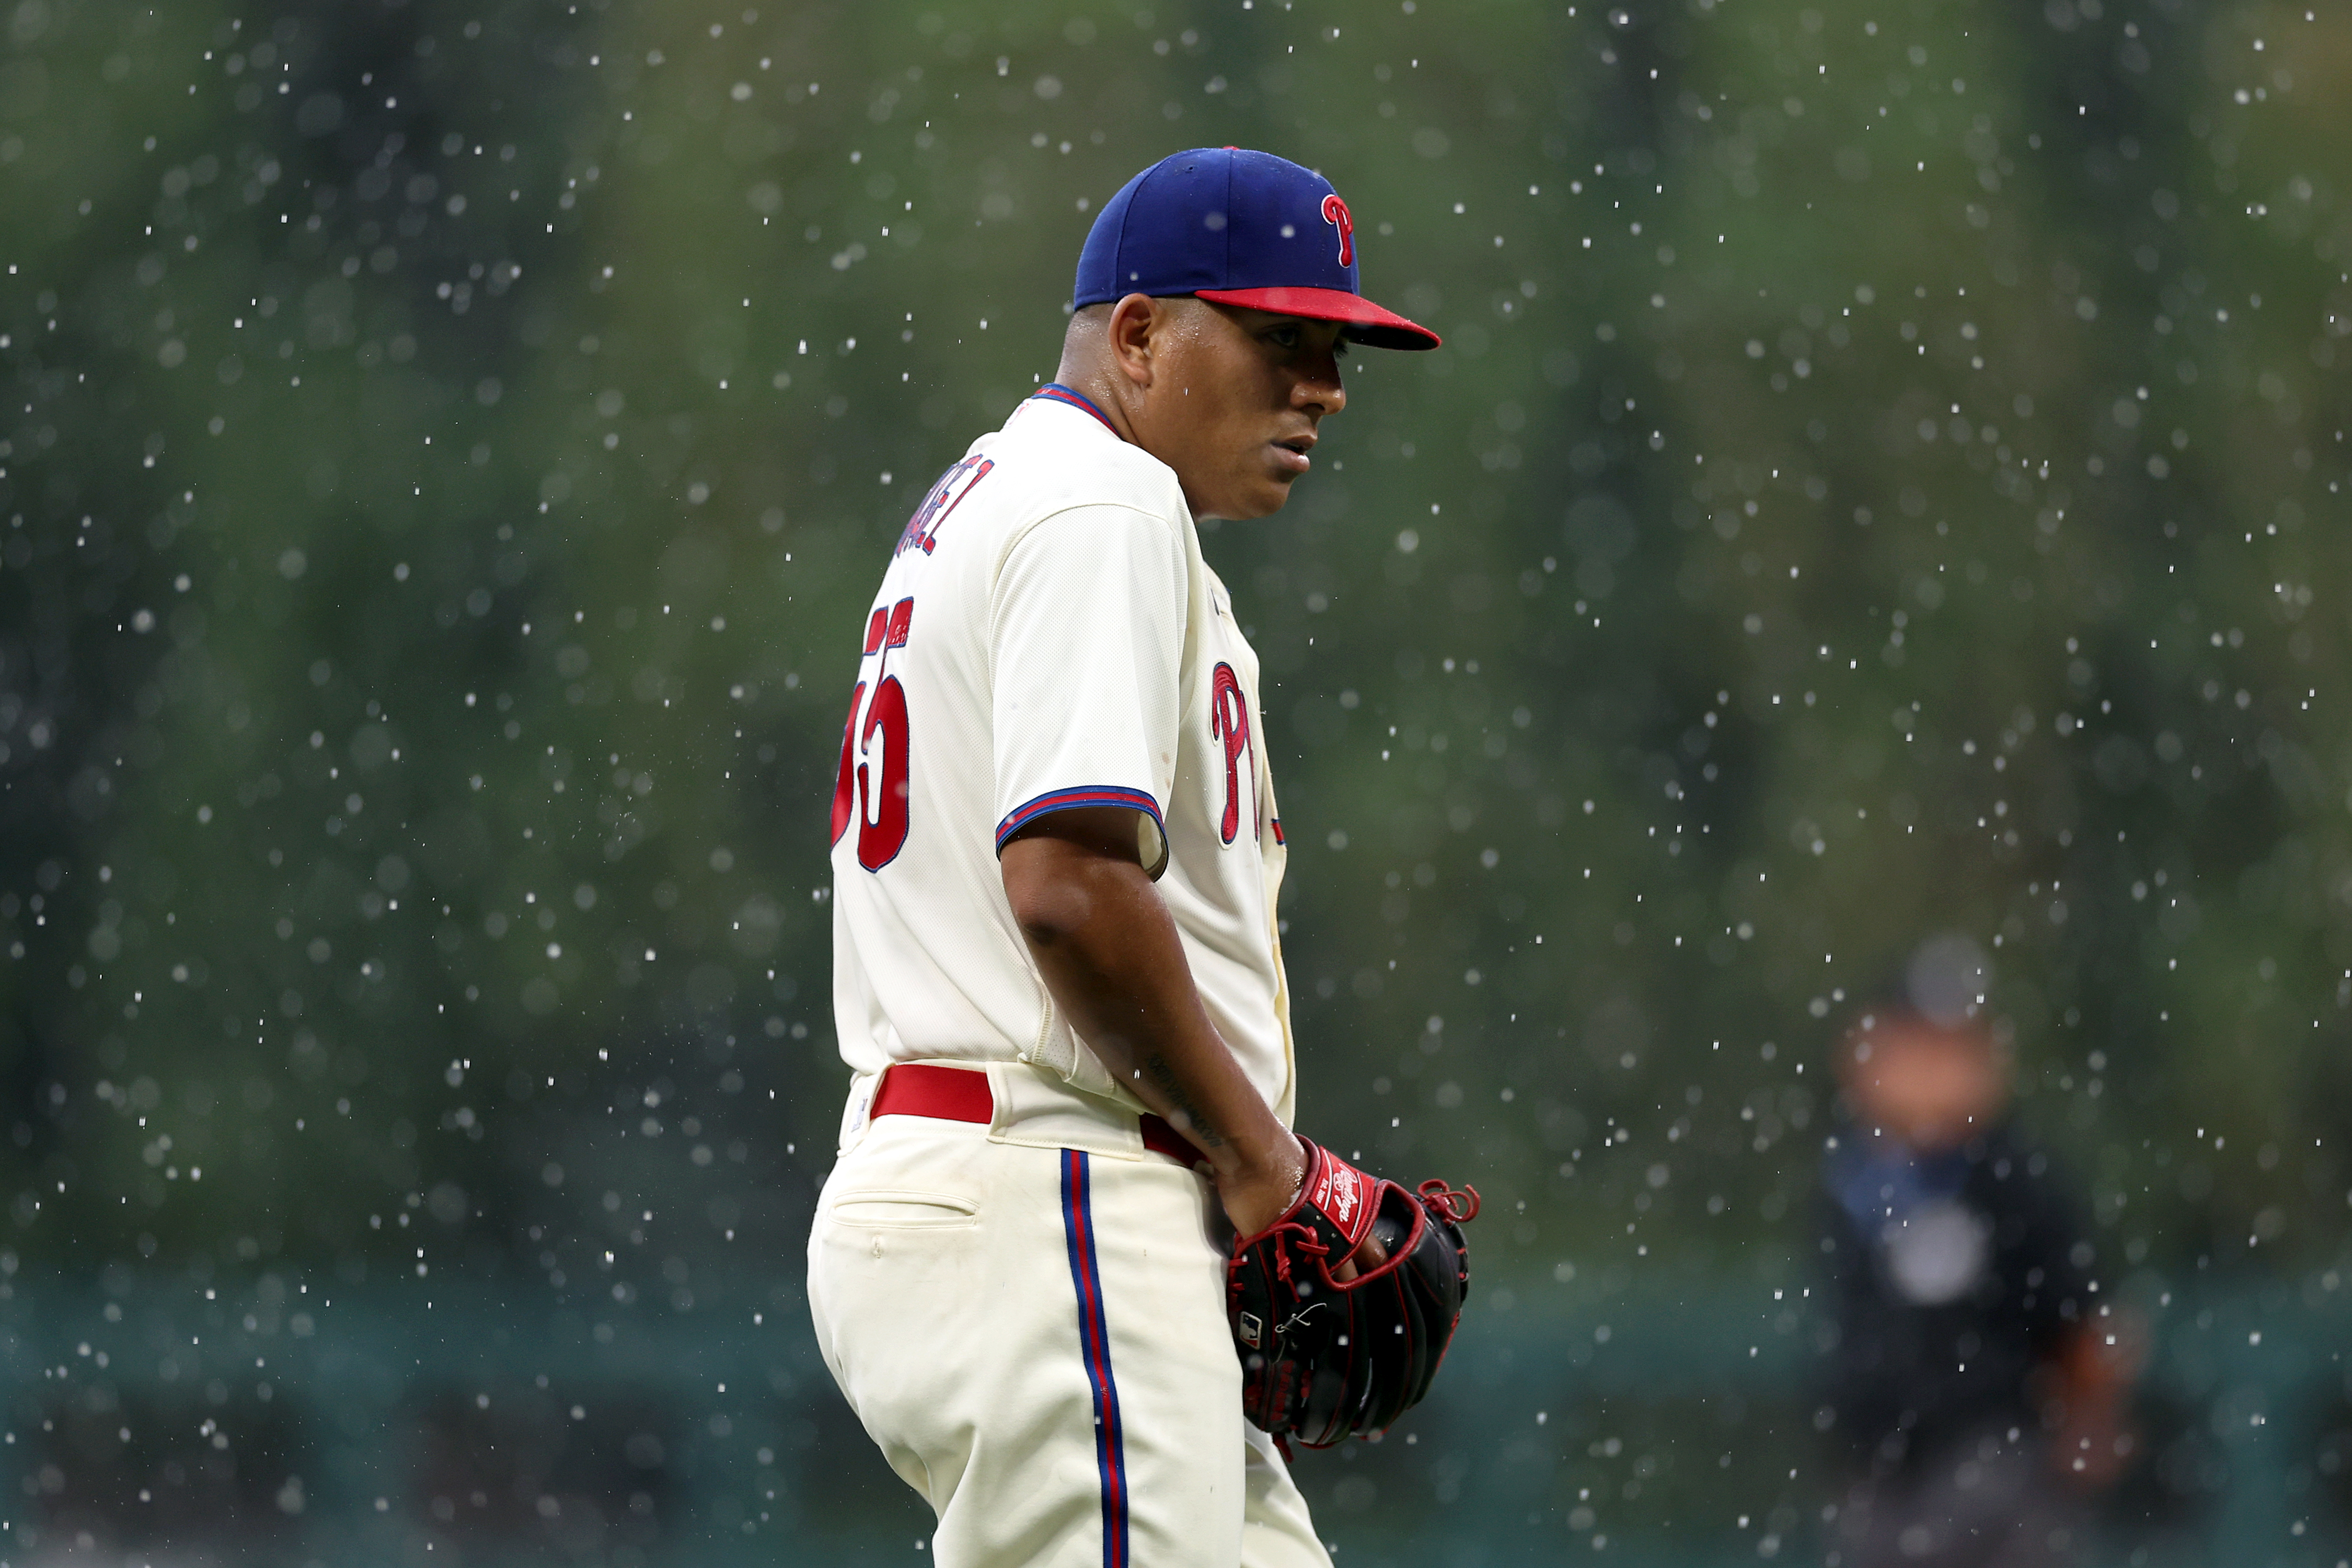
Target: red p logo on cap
[(1335, 212)]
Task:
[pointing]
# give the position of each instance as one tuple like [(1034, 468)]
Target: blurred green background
[(1885, 476)]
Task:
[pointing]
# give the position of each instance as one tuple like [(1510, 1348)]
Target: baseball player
[(1055, 857)]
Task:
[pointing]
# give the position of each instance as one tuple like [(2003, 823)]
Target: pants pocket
[(893, 1208)]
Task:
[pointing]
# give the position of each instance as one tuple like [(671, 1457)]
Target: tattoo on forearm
[(1182, 1111)]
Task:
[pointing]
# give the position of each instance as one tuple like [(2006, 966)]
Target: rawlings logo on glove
[(1335, 1194), (1325, 1359)]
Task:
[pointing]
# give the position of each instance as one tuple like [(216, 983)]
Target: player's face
[(1234, 403)]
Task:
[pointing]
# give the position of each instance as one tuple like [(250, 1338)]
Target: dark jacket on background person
[(1951, 1278)]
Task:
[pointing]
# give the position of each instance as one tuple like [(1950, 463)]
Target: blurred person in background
[(1978, 1378)]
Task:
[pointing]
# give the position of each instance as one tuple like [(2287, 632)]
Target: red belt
[(961, 1094)]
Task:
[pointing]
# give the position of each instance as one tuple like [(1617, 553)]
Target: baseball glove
[(1323, 1360)]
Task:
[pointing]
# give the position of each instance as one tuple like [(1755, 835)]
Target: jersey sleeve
[(1086, 633)]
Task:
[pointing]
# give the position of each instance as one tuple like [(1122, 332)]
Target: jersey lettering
[(1229, 722), (874, 789), (922, 530)]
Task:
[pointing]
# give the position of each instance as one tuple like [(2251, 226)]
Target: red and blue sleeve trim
[(1070, 799), (1054, 392), (1094, 1344)]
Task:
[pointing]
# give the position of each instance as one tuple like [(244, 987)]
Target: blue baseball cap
[(1236, 228)]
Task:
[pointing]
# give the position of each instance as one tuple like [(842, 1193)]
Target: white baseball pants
[(1034, 1334)]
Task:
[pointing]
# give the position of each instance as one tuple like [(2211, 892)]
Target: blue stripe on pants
[(1094, 1341)]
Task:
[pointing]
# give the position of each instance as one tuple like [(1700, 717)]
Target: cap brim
[(1367, 323)]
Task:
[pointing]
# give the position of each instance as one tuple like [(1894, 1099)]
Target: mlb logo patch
[(1252, 1331)]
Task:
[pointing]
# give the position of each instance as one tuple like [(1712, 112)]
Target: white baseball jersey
[(1048, 637)]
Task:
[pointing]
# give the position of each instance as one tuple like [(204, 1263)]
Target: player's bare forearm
[(1110, 952), (2094, 1371)]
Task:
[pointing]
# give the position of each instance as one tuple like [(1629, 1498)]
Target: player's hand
[(1369, 1254), (1259, 1191), (1257, 1194)]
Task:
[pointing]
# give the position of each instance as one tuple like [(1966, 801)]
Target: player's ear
[(1134, 323)]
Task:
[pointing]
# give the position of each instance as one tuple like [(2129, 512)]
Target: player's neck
[(1098, 387)]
